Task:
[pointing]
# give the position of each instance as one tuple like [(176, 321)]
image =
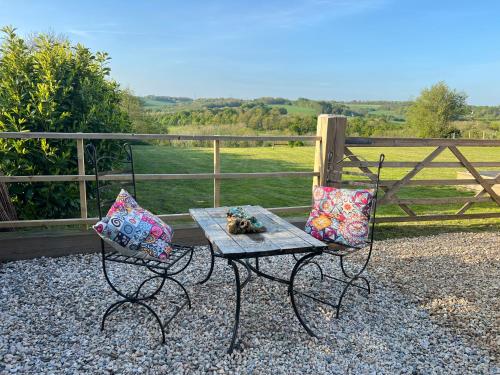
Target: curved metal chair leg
[(144, 283), (296, 268), (238, 303), (157, 319), (350, 283), (212, 261), (152, 294), (183, 288), (356, 276), (368, 288), (111, 309), (316, 264), (190, 258), (108, 280), (342, 267)]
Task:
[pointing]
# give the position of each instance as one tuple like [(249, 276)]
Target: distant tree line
[(258, 117), (438, 112)]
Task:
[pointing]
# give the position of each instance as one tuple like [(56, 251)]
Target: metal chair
[(342, 252), (159, 271)]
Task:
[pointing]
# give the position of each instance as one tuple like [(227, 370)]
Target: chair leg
[(368, 288), (344, 291), (110, 310), (350, 281), (183, 289), (157, 320), (357, 275), (135, 298), (117, 304)]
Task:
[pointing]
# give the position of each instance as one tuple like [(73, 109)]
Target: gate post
[(329, 150)]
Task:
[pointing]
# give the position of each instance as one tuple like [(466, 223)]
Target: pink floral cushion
[(131, 229), (340, 215)]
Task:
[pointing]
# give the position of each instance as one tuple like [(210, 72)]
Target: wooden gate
[(334, 146)]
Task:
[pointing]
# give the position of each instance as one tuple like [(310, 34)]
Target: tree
[(48, 85), (434, 110), (141, 122)]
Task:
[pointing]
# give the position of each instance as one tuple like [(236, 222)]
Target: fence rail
[(82, 178), (331, 147), (155, 176), (166, 137)]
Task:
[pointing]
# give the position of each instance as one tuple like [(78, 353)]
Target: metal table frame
[(244, 260)]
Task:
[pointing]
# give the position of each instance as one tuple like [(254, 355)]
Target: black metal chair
[(342, 252), (159, 271)]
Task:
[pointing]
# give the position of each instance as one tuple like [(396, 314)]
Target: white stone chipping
[(50, 312)]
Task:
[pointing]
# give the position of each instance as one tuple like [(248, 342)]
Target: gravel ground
[(455, 277), (51, 308)]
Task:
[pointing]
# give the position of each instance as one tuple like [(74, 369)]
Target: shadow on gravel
[(407, 230)]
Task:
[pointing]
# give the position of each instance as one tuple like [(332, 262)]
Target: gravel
[(51, 309), (454, 277)]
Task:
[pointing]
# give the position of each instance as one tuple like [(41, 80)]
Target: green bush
[(48, 85)]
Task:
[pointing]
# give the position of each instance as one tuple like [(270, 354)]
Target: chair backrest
[(371, 181), (121, 165)]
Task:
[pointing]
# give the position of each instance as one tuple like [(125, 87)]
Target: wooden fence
[(331, 146)]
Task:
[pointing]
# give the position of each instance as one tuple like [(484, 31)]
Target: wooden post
[(216, 172), (80, 149), (331, 129)]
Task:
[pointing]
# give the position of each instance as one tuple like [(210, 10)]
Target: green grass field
[(375, 109), (150, 103), (296, 110), (178, 196)]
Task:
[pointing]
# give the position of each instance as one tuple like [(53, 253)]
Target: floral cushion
[(340, 215), (130, 228)]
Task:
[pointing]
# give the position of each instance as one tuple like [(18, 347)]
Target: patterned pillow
[(340, 215), (133, 230)]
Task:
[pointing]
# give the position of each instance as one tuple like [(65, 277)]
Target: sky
[(318, 49)]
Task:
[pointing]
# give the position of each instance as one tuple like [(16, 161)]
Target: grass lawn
[(296, 110), (154, 104), (178, 196), (375, 109)]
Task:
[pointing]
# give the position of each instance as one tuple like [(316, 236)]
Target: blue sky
[(320, 49)]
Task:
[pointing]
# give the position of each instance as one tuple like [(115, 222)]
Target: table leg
[(212, 261), (238, 303)]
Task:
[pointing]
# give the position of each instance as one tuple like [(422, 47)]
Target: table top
[(280, 236)]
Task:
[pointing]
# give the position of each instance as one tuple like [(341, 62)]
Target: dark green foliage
[(141, 122), (255, 116), (270, 100), (258, 117), (372, 127), (47, 85)]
